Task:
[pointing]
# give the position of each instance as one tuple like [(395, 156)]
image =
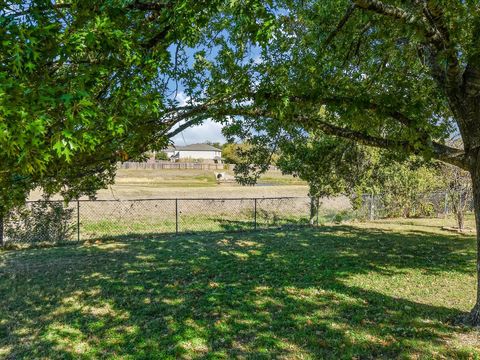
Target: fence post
[(78, 220), (372, 208), (445, 212), (176, 216), (255, 215), (1, 231)]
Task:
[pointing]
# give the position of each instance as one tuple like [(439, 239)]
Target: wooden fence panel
[(172, 165)]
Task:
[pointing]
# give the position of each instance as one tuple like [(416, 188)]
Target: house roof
[(193, 147)]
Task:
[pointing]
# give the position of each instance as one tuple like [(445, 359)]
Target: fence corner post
[(78, 220), (372, 207), (176, 216), (255, 214), (445, 210)]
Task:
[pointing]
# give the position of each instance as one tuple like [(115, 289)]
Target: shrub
[(338, 218), (161, 155), (39, 222)]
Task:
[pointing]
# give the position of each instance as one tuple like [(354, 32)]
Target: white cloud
[(182, 98), (208, 131)]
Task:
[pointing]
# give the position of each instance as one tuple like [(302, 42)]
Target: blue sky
[(209, 130)]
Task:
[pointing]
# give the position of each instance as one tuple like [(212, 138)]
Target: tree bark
[(460, 220), (474, 316), (1, 231), (458, 209), (314, 205)]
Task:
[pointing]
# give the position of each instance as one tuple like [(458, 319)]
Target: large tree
[(399, 75), (86, 83), (79, 91)]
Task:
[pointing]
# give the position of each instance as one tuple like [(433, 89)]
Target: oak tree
[(398, 75)]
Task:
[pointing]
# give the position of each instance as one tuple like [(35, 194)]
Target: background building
[(194, 152)]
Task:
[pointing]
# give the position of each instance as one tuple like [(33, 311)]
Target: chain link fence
[(434, 204), (57, 222)]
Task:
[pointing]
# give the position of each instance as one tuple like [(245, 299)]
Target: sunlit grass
[(187, 224), (369, 290)]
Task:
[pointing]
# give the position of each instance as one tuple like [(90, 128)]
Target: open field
[(387, 289), (196, 183), (192, 177), (131, 184)]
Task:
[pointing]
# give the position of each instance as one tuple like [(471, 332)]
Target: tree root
[(457, 230), (472, 319)]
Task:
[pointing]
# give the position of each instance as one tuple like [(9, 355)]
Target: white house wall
[(199, 154), (210, 155)]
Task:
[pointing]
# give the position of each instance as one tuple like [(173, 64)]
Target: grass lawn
[(375, 290)]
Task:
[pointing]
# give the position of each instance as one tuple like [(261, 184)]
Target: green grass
[(187, 224), (354, 292)]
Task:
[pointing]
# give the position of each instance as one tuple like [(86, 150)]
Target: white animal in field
[(223, 177)]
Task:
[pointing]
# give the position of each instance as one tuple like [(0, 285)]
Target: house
[(194, 152)]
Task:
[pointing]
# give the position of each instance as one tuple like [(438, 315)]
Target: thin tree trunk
[(474, 316), (1, 230), (460, 220), (314, 204)]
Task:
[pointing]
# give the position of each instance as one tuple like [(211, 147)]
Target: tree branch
[(388, 10), (186, 125), (439, 151), (438, 37), (150, 6), (341, 24)]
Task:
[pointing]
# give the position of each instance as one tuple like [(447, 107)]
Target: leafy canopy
[(386, 74), (85, 84)]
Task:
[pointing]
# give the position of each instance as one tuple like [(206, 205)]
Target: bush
[(161, 155), (338, 218), (426, 209), (40, 222)]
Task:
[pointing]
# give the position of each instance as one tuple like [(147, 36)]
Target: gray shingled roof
[(194, 147)]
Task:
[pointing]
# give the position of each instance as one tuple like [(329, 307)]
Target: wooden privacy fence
[(179, 165), (173, 165)]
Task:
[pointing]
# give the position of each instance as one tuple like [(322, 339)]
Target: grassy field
[(359, 291), (196, 183), (131, 184), (193, 177)]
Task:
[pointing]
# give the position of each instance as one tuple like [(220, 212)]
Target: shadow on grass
[(255, 295), (189, 225)]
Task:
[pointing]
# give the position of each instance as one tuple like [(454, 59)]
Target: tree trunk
[(460, 221), (314, 205), (474, 316), (1, 230)]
